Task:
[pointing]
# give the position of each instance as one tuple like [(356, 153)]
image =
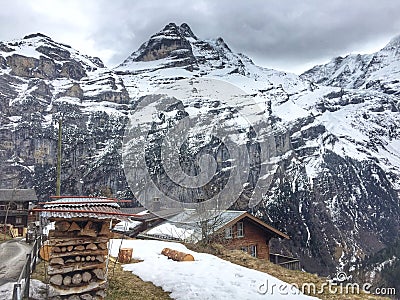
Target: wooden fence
[(287, 262), (21, 288)]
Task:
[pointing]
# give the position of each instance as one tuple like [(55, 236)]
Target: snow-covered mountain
[(40, 80), (378, 71), (333, 151)]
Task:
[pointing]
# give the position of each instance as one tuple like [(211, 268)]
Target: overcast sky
[(288, 35)]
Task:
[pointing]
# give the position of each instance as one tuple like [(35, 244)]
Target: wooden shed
[(78, 246)]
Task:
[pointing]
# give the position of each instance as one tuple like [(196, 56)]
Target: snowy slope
[(208, 277)]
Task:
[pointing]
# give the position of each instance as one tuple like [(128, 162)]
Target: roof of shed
[(82, 207)]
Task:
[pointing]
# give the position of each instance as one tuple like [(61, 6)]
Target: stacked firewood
[(77, 258)]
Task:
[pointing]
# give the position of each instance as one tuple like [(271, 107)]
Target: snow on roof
[(185, 226), (82, 207), (81, 201), (128, 225)]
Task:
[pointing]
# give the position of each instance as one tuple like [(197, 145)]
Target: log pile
[(77, 259), (177, 255)]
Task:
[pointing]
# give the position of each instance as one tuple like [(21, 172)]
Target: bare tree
[(209, 221)]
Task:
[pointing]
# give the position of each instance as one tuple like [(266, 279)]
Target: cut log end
[(102, 246), (77, 278), (125, 255), (99, 273), (86, 276), (62, 225), (67, 280), (91, 246), (56, 279), (74, 227)]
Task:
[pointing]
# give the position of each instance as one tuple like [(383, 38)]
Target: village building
[(14, 208), (142, 219), (235, 229)]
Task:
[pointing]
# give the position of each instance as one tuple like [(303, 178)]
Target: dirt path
[(12, 258)]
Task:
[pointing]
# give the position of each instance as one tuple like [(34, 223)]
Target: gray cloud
[(288, 35)]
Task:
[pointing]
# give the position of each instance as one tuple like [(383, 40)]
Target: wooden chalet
[(14, 207), (235, 229)]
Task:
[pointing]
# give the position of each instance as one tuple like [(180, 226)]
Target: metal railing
[(21, 288)]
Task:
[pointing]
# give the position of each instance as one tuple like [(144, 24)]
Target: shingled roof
[(82, 207)]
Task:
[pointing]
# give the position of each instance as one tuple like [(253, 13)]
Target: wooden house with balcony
[(14, 207)]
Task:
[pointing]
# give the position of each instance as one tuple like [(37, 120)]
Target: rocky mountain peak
[(376, 71), (187, 31), (173, 30), (38, 56), (36, 35), (394, 44), (172, 41), (177, 46)]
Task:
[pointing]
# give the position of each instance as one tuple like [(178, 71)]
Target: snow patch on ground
[(208, 277), (37, 290)]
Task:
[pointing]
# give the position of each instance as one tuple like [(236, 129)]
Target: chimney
[(200, 208), (156, 204)]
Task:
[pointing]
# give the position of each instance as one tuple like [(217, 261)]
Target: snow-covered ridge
[(37, 45), (376, 71)]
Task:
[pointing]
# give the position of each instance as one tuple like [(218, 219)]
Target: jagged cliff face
[(334, 149), (41, 80)]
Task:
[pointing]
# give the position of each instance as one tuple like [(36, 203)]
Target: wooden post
[(27, 275), (58, 183), (35, 253)]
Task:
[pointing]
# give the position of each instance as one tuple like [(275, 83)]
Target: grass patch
[(123, 285), (2, 237), (294, 277)]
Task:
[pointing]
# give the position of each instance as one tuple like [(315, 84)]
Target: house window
[(228, 233), (240, 231), (20, 206), (18, 220), (253, 250), (244, 249)]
